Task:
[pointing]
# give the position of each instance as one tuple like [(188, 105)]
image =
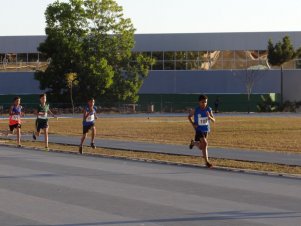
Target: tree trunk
[(249, 98), (71, 97)]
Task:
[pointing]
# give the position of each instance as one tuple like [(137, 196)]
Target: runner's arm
[(95, 113), (53, 115), (190, 115), (22, 112), (210, 116), (85, 115)]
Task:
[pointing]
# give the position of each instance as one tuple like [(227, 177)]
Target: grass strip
[(281, 134)]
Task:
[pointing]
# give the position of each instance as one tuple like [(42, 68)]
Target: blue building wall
[(184, 82), (226, 82), (18, 83)]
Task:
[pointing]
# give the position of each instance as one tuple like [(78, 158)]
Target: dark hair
[(16, 98), (42, 95), (203, 97), (91, 99)]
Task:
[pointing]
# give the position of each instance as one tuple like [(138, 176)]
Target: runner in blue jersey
[(89, 118), (15, 114), (202, 115)]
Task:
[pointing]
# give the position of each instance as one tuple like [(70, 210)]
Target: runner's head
[(203, 101), (91, 102), (43, 98), (17, 101)]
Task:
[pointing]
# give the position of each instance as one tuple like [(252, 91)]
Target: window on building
[(180, 65), (193, 65), (180, 56), (169, 65), (228, 55), (22, 57), (228, 64), (2, 56), (169, 56), (11, 57), (193, 55), (157, 56), (158, 65), (240, 64), (33, 57)]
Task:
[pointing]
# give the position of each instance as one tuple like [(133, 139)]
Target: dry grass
[(274, 134), (188, 160)]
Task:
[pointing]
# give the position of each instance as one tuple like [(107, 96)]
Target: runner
[(202, 116), (89, 118), (42, 119), (15, 114)]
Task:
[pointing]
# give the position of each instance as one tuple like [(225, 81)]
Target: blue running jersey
[(17, 110), (201, 119), (91, 118)]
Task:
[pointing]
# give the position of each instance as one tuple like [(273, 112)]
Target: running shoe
[(93, 145), (19, 145), (34, 136), (46, 148), (80, 150), (209, 165), (191, 144)]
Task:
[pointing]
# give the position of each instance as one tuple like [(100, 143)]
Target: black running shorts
[(12, 127), (41, 124), (87, 128), (199, 135)]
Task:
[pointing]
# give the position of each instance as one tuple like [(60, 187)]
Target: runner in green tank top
[(42, 119)]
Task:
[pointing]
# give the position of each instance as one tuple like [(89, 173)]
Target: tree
[(249, 78), (252, 76), (281, 53), (71, 79), (92, 39)]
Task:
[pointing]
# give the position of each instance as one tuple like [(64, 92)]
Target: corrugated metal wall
[(184, 82), (227, 82), (18, 83)]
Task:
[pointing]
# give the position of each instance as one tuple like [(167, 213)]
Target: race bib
[(90, 118), (42, 116), (16, 117), (203, 121)]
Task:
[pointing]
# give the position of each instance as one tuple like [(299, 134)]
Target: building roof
[(171, 42)]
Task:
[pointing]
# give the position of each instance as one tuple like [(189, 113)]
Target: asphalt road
[(46, 188)]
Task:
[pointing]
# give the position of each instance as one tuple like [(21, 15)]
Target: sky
[(26, 17)]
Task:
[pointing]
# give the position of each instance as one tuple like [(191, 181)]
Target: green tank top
[(43, 109)]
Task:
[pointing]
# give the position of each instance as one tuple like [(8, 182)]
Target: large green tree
[(93, 39)]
